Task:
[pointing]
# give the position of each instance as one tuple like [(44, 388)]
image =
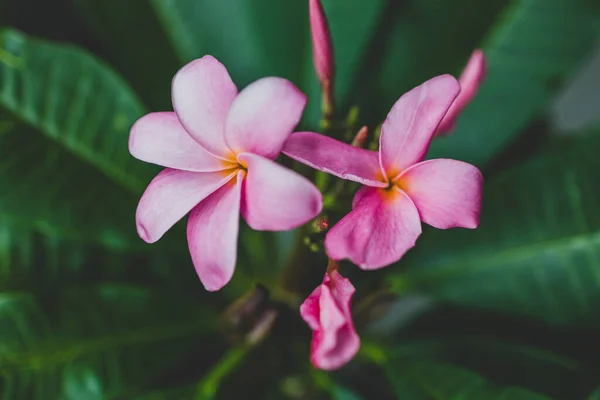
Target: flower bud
[(322, 49)]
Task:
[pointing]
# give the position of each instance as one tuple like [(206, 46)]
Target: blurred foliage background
[(88, 311)]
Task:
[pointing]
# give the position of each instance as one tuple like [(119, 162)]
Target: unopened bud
[(322, 53), (471, 78), (361, 137), (322, 223)]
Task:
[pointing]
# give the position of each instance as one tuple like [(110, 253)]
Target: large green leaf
[(595, 395), (424, 380), (33, 261), (135, 43), (537, 250), (424, 38), (530, 52), (531, 47), (75, 100), (49, 190), (271, 37), (252, 38), (94, 343)]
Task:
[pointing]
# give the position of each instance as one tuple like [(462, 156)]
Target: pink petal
[(309, 310), (212, 233), (171, 195), (276, 198), (334, 157), (202, 95), (412, 122), (327, 312), (470, 80), (321, 42), (447, 193), (382, 227), (263, 116), (160, 139)]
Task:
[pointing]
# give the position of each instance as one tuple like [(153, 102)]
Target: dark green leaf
[(424, 380), (595, 395), (74, 100), (537, 250), (51, 191), (135, 44), (94, 343), (531, 49), (252, 38), (530, 52)]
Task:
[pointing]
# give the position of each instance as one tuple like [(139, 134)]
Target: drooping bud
[(470, 80), (327, 312), (322, 52)]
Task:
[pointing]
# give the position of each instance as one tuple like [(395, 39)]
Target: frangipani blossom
[(470, 80), (327, 313), (218, 148), (401, 189)]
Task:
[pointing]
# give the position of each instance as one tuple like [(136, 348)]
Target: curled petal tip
[(143, 233)]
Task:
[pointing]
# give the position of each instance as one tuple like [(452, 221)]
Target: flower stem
[(231, 360)]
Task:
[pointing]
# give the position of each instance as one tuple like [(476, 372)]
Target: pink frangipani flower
[(401, 189), (218, 148), (321, 43), (327, 313), (470, 80)]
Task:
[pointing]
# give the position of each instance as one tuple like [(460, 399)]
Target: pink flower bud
[(322, 44), (327, 312), (470, 80)]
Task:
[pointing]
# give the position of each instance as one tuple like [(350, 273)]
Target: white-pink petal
[(170, 196), (334, 157), (263, 116), (276, 198), (212, 233), (447, 193), (412, 122), (202, 95), (380, 229), (159, 138)]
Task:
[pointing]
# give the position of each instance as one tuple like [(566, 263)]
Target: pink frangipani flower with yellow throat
[(401, 189), (218, 148)]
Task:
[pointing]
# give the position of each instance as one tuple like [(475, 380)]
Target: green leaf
[(533, 48), (262, 37), (75, 100), (39, 262), (537, 250), (424, 38), (595, 395), (135, 43), (51, 191), (93, 343), (424, 380)]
